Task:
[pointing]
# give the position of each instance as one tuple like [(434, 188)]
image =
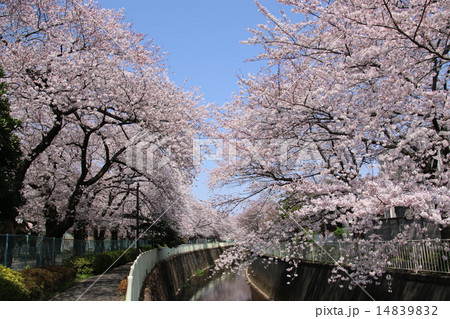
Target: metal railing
[(422, 256), (416, 255), (146, 261), (20, 251)]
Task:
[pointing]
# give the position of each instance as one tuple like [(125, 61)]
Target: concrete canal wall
[(269, 282), (169, 275)]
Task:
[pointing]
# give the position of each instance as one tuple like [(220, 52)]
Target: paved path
[(105, 289)]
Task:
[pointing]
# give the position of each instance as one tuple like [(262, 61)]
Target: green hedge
[(42, 283), (98, 263), (67, 272), (12, 285), (33, 283)]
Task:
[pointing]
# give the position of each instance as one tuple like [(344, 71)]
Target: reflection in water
[(219, 287)]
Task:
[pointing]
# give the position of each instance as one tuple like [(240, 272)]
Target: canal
[(216, 287)]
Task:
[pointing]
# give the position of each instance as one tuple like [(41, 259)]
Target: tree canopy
[(96, 106), (349, 118)]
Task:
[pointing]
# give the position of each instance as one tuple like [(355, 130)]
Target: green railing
[(416, 255), (20, 251)]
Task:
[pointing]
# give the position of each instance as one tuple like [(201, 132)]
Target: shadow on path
[(105, 289)]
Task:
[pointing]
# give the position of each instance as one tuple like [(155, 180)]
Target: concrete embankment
[(270, 282), (169, 276)]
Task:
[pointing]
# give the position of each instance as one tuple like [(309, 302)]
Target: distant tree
[(163, 232), (10, 155), (202, 221), (257, 215)]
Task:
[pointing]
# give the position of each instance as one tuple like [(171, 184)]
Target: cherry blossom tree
[(200, 220), (256, 215), (9, 157), (349, 118), (84, 84)]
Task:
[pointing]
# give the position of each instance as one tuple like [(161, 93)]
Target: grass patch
[(200, 272), (81, 277)]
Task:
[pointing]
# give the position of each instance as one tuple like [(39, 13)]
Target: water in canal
[(218, 287)]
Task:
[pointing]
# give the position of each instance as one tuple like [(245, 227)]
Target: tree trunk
[(114, 239), (6, 249), (99, 240), (48, 250), (79, 242), (7, 227), (53, 226)]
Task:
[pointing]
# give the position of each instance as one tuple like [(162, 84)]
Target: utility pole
[(137, 219), (129, 181)]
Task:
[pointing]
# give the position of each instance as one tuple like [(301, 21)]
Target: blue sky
[(202, 42), (201, 38)]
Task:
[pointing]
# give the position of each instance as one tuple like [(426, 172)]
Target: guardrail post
[(53, 250), (5, 260), (62, 250), (41, 254), (27, 247), (313, 255), (415, 259), (340, 250)]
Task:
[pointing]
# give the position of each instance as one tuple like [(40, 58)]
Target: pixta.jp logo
[(148, 152)]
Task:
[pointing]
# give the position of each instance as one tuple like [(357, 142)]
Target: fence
[(416, 255), (422, 256), (19, 251), (146, 261)]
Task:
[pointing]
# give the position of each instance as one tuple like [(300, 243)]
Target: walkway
[(105, 289)]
